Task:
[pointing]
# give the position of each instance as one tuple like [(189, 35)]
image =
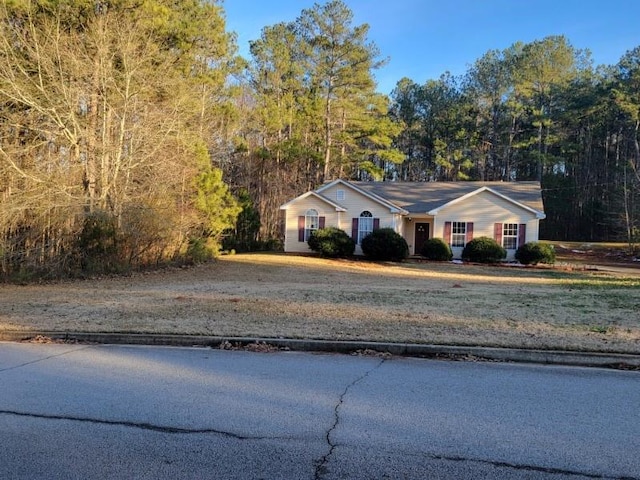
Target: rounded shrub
[(385, 244), (436, 249), (331, 242), (483, 250), (533, 253)]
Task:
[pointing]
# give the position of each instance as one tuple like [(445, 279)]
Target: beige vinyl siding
[(299, 208), (485, 210), (355, 203)]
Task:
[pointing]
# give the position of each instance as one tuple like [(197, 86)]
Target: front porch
[(416, 230)]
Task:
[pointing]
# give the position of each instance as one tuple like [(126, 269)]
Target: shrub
[(199, 250), (98, 244), (230, 241), (483, 250), (269, 245), (436, 249), (331, 242), (385, 244), (533, 253)]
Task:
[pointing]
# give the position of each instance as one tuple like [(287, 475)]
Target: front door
[(422, 234)]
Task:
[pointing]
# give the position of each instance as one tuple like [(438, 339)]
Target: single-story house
[(509, 212)]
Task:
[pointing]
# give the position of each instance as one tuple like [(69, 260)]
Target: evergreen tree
[(102, 104)]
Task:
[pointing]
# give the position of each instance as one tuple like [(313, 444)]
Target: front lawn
[(271, 295)]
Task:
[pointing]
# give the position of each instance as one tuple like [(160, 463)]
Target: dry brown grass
[(269, 295)]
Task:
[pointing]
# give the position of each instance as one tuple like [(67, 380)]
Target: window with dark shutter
[(510, 236), (458, 234), (365, 225), (311, 223), (469, 232), (497, 233), (522, 234), (301, 221), (446, 234)]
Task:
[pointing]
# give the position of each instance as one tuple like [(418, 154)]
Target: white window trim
[(365, 225), (513, 238), (311, 222), (458, 234)]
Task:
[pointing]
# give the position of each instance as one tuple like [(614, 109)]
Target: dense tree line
[(536, 111), (132, 134), (110, 113), (311, 111)]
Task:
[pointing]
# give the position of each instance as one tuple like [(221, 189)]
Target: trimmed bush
[(483, 250), (533, 253), (331, 242), (385, 244), (436, 249)]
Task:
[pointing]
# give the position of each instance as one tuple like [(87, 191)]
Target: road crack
[(529, 468), (321, 465), (38, 360), (138, 425)]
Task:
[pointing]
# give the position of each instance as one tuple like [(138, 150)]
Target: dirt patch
[(585, 254), (264, 295), (259, 347)]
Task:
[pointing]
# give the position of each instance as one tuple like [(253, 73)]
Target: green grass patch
[(602, 283)]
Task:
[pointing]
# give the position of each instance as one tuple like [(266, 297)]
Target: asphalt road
[(101, 411)]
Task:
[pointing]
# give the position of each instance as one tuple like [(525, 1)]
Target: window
[(458, 234), (340, 195), (365, 225), (510, 236), (311, 221)]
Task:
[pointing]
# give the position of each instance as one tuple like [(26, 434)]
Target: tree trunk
[(540, 154), (328, 138)]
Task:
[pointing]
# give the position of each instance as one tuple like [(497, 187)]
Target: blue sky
[(425, 38)]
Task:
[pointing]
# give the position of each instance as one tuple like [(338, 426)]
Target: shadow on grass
[(451, 272)]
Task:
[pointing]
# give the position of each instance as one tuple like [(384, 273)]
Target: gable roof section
[(316, 195), (428, 197), (435, 211), (372, 195)]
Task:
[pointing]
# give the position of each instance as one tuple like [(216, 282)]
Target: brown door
[(422, 234)]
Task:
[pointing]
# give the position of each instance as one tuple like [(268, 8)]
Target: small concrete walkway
[(453, 352)]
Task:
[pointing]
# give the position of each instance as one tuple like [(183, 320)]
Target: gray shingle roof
[(422, 197)]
